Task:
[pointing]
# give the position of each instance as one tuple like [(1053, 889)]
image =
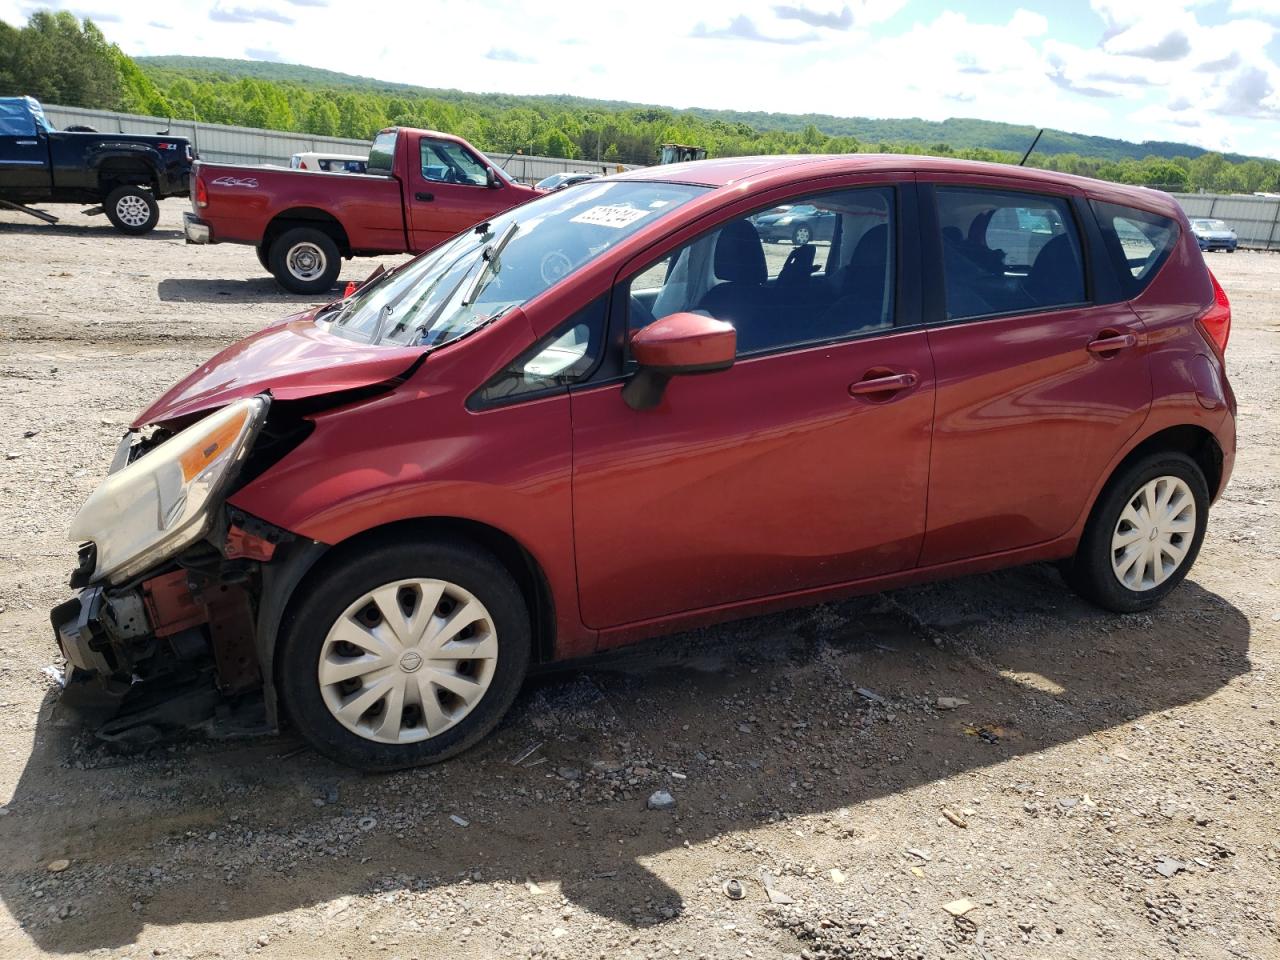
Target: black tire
[(342, 583), (263, 258), (79, 128), (314, 256), (1090, 572), (801, 235), (132, 210)]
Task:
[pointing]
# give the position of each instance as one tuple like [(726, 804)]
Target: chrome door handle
[(1112, 342), (890, 383)]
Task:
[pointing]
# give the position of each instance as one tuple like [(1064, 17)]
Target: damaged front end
[(167, 630)]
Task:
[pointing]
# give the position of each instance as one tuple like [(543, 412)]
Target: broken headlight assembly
[(152, 508)]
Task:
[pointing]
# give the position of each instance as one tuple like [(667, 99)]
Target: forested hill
[(61, 59), (957, 132)]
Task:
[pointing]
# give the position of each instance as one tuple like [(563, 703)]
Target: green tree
[(58, 59), (322, 118), (556, 144)]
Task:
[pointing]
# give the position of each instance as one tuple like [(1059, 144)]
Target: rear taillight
[(202, 193), (1215, 323)]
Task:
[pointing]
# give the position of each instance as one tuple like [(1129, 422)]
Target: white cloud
[(1025, 23), (1255, 8), (1152, 71)]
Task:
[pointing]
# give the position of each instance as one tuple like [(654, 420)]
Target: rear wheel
[(1144, 534), (263, 256), (132, 210), (404, 655), (801, 235), (304, 260)]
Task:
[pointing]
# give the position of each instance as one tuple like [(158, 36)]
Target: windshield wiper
[(489, 257), (388, 308)]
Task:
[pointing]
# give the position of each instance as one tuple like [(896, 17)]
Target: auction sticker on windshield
[(610, 216)]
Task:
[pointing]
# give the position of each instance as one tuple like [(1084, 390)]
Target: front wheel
[(1143, 535), (304, 260), (263, 256), (403, 655), (801, 235), (132, 210)]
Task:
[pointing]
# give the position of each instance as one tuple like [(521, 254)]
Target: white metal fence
[(1256, 220), (226, 144)]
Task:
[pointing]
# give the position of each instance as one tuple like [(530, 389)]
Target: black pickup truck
[(124, 174)]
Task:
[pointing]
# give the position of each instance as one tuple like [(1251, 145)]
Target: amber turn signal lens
[(198, 457)]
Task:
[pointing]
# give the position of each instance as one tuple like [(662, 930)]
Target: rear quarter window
[(1137, 241)]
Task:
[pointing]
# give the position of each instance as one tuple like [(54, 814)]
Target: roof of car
[(727, 171)]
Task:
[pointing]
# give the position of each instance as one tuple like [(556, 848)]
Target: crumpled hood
[(293, 359)]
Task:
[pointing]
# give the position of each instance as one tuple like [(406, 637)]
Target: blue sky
[(1200, 71)]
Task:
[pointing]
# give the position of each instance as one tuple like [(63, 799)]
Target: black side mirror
[(492, 181)]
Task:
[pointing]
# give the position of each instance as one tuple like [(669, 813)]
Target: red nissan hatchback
[(614, 412)]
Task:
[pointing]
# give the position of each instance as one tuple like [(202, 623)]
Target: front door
[(804, 465), (1037, 387), (24, 153), (448, 193)]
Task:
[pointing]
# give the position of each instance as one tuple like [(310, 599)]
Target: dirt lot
[(1112, 781)]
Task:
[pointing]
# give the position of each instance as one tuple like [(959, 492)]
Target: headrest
[(739, 254)]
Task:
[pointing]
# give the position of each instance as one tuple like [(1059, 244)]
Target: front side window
[(513, 257), (1007, 252), (817, 269), (444, 161)]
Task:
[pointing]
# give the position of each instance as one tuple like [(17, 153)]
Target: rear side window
[(383, 152), (1137, 241), (16, 118), (1007, 252)]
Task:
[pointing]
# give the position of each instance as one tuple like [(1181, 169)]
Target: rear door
[(447, 192), (1038, 387), (803, 465), (24, 151)]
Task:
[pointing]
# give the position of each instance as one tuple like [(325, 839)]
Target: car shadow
[(253, 290), (83, 230), (799, 715)]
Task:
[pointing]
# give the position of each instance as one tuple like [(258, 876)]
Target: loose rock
[(660, 800)]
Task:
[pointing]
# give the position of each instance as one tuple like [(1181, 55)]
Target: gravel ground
[(1108, 789)]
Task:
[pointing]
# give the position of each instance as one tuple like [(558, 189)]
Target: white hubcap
[(408, 660), (1154, 533), (306, 261), (133, 211)]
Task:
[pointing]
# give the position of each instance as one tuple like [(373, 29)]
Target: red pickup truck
[(421, 188)]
